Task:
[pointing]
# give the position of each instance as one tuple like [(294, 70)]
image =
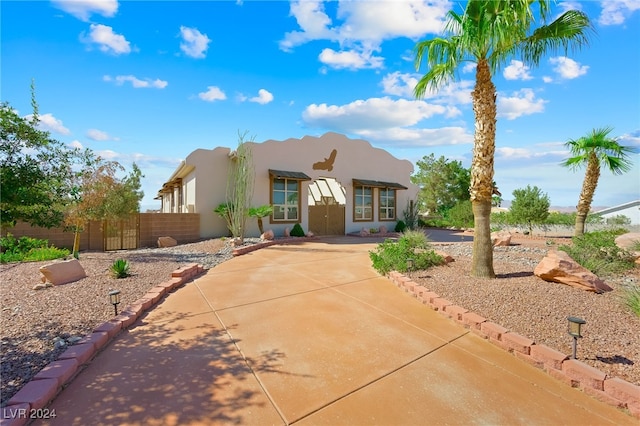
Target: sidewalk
[(309, 333)]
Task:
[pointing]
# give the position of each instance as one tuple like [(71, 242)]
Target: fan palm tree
[(595, 150), (489, 34)]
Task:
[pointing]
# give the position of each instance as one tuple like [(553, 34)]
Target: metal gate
[(121, 234)]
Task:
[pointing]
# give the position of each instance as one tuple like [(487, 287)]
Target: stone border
[(593, 382), (36, 394)]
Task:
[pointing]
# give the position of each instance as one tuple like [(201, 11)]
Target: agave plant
[(120, 268)]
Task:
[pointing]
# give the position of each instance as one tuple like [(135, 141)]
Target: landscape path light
[(410, 263), (575, 330), (114, 298)]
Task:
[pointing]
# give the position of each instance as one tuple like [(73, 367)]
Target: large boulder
[(557, 266), (63, 272), (500, 238), (628, 241), (167, 242)]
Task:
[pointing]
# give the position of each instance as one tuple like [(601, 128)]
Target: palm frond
[(569, 32)]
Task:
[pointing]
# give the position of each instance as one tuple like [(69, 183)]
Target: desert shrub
[(400, 226), (598, 252), (461, 215), (297, 231), (411, 215), (119, 268), (393, 255), (631, 298), (27, 249)]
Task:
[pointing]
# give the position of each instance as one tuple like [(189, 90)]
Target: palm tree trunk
[(481, 190), (591, 177)]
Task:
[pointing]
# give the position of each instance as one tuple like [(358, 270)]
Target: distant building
[(630, 210), (331, 185)]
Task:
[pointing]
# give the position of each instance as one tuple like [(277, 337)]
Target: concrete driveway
[(310, 334)]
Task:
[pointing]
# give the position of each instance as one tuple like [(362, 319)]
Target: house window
[(285, 200), (363, 203), (387, 204)]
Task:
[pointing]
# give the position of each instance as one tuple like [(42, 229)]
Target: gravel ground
[(531, 307), (38, 325)]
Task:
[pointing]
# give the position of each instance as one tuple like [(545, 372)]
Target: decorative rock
[(267, 235), (500, 238), (287, 232), (383, 229), (167, 242), (63, 272), (364, 232), (447, 257), (310, 234), (558, 266), (628, 241), (41, 286)]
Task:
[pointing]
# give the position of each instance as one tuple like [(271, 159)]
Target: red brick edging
[(593, 382), (30, 401)]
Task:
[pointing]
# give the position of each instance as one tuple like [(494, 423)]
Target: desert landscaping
[(40, 324)]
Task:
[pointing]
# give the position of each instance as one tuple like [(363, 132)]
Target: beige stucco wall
[(355, 159)]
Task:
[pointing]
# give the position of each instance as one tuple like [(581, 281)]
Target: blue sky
[(151, 81)]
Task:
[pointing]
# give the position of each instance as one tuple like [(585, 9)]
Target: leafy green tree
[(489, 34), (98, 194), (461, 215), (442, 183), (595, 150), (529, 205), (35, 171)]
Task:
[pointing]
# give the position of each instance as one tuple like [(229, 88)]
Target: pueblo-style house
[(331, 185)]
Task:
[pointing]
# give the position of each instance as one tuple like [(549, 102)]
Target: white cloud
[(76, 144), (361, 28), (350, 59), (402, 84), (212, 94), (523, 102), (98, 135), (399, 84), (517, 70), (194, 43), (313, 22), (370, 114), (568, 68), (469, 67), (49, 123), (616, 12), (106, 39), (400, 137), (264, 97), (136, 83), (83, 9)]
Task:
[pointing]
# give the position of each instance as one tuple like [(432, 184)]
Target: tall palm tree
[(595, 150), (489, 34)]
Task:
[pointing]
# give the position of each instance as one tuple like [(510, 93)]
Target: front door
[(326, 207)]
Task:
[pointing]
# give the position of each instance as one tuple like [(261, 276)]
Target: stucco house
[(630, 210), (331, 185)]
